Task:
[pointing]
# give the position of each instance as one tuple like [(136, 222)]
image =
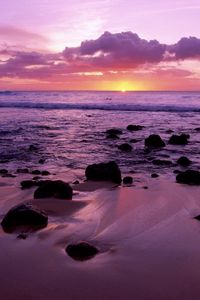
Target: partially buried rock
[(125, 147), (189, 177), (134, 127), (128, 180), (112, 136), (162, 162), (56, 189), (184, 161), (154, 141), (81, 251), (24, 216), (104, 172), (181, 139), (114, 131)]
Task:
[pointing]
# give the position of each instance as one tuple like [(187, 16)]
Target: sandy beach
[(148, 240)]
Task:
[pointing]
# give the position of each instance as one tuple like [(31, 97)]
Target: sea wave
[(101, 106)]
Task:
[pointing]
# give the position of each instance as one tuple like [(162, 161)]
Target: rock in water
[(184, 161), (81, 251), (114, 131), (104, 172), (154, 141), (189, 177), (125, 147), (128, 180), (154, 175), (112, 136), (179, 139), (57, 189), (24, 216), (162, 162), (134, 127)]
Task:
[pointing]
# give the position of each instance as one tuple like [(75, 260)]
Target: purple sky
[(47, 27)]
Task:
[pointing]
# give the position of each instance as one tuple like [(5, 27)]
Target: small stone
[(114, 131), (125, 147), (134, 127), (154, 175), (36, 172), (128, 180), (184, 161), (189, 177), (179, 139), (45, 173), (81, 251)]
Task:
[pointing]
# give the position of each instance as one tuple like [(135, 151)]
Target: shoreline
[(149, 243)]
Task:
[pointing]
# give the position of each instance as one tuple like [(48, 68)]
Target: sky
[(100, 45)]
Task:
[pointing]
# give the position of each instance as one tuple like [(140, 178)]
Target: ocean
[(67, 130)]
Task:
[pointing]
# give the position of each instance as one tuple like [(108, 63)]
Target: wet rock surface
[(24, 216), (154, 141), (53, 188), (189, 177), (125, 147), (181, 139), (104, 172)]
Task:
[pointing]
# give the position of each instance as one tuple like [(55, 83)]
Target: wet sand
[(149, 244)]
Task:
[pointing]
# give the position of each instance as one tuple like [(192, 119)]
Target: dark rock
[(189, 177), (8, 175), (154, 141), (128, 180), (36, 172), (41, 161), (125, 147), (81, 251), (57, 189), (3, 171), (112, 136), (76, 182), (162, 162), (134, 141), (197, 217), (197, 129), (184, 161), (26, 184), (33, 148), (179, 139), (154, 175), (23, 171), (24, 215), (45, 173), (145, 187), (104, 172), (134, 127), (36, 178), (114, 131)]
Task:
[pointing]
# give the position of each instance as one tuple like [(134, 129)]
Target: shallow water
[(69, 129)]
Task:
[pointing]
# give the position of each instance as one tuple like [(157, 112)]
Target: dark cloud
[(120, 51), (186, 48)]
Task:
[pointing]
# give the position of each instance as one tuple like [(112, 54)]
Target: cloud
[(186, 48), (118, 52), (124, 50)]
